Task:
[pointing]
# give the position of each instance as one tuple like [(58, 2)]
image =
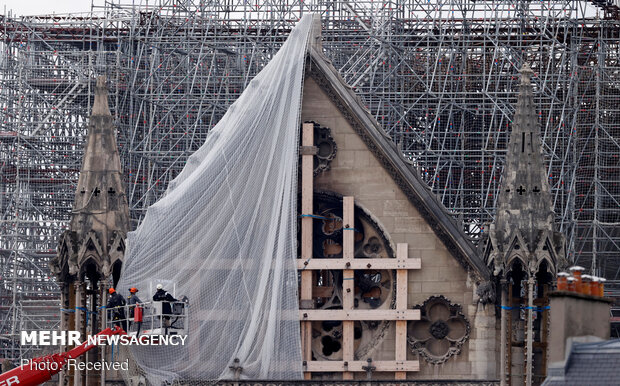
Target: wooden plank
[(401, 304), (358, 366), (348, 348), (348, 281), (306, 286), (311, 315), (307, 160), (307, 171), (307, 194), (348, 219), (358, 263), (348, 252), (401, 346), (359, 315), (401, 278), (321, 264), (306, 343)]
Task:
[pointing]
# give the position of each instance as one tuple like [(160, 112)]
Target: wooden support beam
[(401, 305), (348, 234), (348, 282), (401, 276), (353, 315), (357, 366), (348, 348), (348, 315), (320, 315), (358, 263), (328, 264), (307, 193), (307, 170)]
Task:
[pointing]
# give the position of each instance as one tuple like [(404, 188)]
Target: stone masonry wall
[(356, 172)]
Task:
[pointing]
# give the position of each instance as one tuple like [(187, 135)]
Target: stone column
[(93, 377), (529, 355), (102, 311), (503, 357), (64, 320), (64, 304), (102, 325), (80, 325)]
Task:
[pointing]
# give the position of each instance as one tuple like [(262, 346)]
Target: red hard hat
[(133, 290), (111, 290)]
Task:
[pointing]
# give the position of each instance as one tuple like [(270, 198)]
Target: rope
[(318, 217), (538, 309), (88, 313), (86, 310)]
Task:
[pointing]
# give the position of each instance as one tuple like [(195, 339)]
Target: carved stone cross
[(521, 190)]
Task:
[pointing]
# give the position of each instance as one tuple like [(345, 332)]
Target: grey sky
[(37, 7)]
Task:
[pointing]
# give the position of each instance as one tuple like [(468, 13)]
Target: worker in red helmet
[(133, 300), (116, 308), (115, 300)]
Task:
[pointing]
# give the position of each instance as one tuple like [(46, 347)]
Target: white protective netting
[(224, 235)]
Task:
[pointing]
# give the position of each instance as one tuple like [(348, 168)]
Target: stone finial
[(100, 106), (524, 224), (100, 216), (526, 74), (101, 81)]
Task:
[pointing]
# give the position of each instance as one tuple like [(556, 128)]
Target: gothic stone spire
[(99, 220), (525, 220)]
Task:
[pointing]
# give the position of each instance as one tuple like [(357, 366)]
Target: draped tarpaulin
[(224, 235)]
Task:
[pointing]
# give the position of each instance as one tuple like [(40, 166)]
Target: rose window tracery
[(440, 332), (374, 289), (326, 148)]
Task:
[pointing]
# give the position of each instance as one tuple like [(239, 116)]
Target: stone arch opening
[(116, 272)]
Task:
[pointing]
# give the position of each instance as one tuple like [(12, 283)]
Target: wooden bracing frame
[(348, 315)]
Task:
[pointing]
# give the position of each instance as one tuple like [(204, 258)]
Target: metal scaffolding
[(440, 76)]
